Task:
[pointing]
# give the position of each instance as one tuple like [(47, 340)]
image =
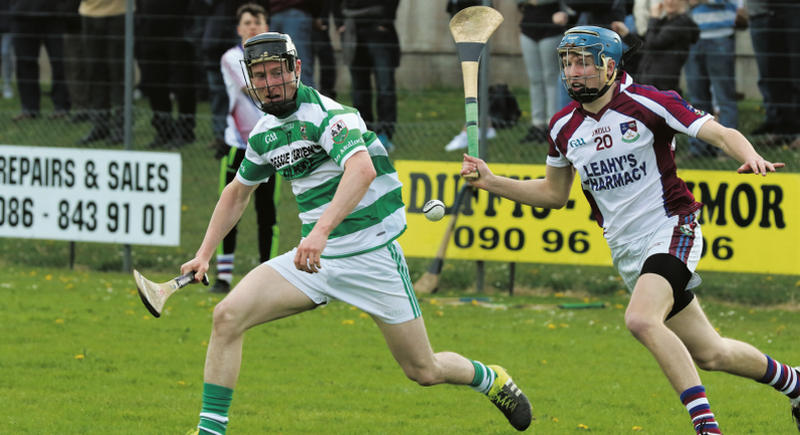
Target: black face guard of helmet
[(258, 52)]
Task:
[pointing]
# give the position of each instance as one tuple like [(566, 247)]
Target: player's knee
[(712, 358), (421, 375), (640, 325), (225, 319)]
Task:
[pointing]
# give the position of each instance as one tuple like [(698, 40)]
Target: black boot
[(99, 129), (184, 130), (165, 129)]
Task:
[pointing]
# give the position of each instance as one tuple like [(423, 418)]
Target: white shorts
[(680, 237), (376, 282)]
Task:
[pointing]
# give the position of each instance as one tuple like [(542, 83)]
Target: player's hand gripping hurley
[(471, 28), (155, 295)]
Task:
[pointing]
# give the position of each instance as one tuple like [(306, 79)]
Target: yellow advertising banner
[(750, 223)]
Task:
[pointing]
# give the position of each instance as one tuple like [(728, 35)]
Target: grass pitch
[(80, 354)]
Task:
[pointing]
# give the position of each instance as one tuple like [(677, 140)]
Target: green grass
[(81, 355)]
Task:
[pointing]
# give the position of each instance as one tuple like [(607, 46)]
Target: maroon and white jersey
[(625, 157)]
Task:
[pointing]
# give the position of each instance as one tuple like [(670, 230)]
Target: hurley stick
[(471, 28)]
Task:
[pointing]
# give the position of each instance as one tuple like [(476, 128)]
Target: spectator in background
[(216, 39), (295, 18), (453, 6), (35, 23), (782, 64), (165, 60), (670, 33), (710, 69), (323, 50), (6, 50), (759, 13), (371, 47), (538, 38), (75, 66), (642, 13), (103, 29), (242, 117), (594, 12)]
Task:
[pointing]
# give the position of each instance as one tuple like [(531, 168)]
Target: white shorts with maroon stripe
[(680, 237)]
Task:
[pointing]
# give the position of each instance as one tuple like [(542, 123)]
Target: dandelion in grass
[(348, 322)]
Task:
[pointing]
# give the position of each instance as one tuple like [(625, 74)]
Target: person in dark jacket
[(670, 33), (165, 59), (6, 51), (296, 18), (594, 12), (539, 36), (370, 46), (33, 24)]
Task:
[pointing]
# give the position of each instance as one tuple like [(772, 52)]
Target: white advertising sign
[(131, 197)]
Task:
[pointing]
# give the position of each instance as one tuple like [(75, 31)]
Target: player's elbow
[(361, 165), (556, 200), (369, 173), (556, 203)]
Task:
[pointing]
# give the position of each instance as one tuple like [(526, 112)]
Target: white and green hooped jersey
[(309, 148)]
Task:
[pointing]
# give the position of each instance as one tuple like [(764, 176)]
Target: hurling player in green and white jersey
[(351, 208)]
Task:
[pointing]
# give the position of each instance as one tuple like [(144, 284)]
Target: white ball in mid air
[(433, 210)]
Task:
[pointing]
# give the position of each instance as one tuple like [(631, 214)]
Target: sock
[(782, 377), (214, 414), (484, 378), (696, 402), (225, 267)]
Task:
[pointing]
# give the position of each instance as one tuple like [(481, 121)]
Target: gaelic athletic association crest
[(629, 131)]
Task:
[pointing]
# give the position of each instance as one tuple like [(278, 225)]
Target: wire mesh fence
[(430, 120)]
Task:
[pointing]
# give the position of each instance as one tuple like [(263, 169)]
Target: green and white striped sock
[(484, 378), (214, 413)]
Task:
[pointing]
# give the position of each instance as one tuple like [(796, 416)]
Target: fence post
[(127, 262)]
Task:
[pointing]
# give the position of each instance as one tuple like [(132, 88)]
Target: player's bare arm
[(357, 176), (734, 144), (552, 191), (229, 209)]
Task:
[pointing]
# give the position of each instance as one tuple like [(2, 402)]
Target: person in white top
[(243, 115), (619, 137)]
